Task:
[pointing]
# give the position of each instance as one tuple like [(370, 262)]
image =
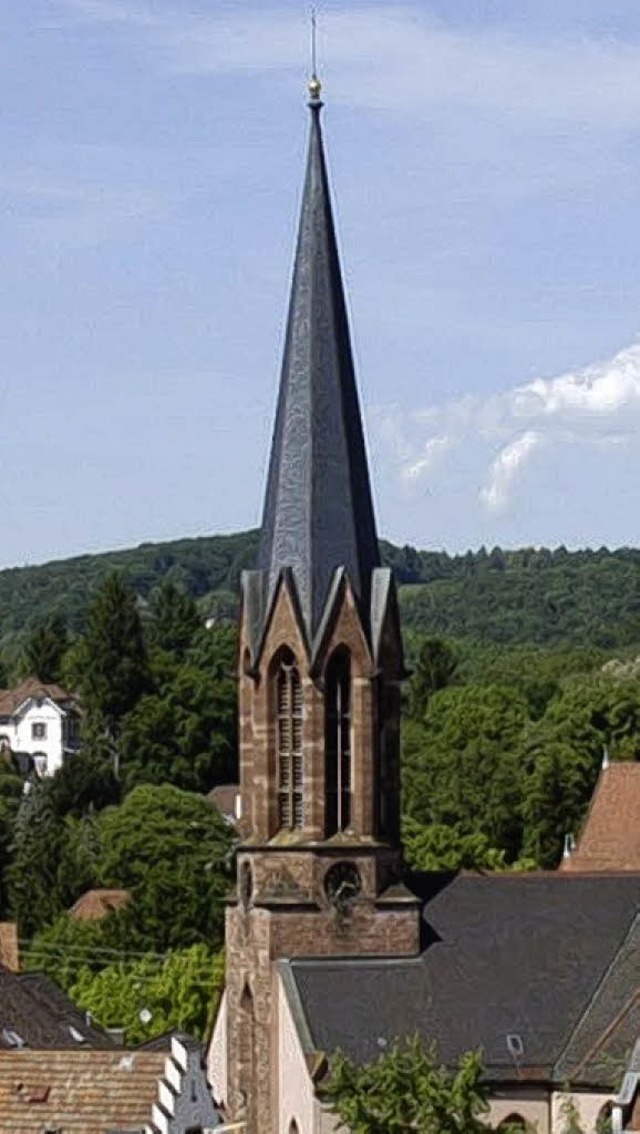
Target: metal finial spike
[(314, 33), (314, 86)]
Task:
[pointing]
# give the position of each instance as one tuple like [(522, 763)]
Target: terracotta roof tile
[(11, 699), (610, 839), (95, 904), (95, 1091)]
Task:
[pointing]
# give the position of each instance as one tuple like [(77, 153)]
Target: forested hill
[(516, 597)]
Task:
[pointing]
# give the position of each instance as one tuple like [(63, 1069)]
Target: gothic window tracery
[(338, 742), (289, 743)]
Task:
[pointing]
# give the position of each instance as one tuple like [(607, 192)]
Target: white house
[(40, 720)]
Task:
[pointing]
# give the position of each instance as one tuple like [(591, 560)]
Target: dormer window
[(289, 743), (38, 730)]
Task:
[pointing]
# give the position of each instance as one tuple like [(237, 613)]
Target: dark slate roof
[(506, 954), (610, 1025), (38, 1013), (318, 512)]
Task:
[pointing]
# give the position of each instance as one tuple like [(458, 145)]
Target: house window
[(38, 730), (289, 743), (338, 743)]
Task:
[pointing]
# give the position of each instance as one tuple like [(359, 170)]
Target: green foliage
[(178, 990), (115, 671), (185, 732), (583, 598), (173, 851), (70, 947), (45, 648), (31, 878), (85, 782), (169, 847), (461, 764), (199, 566), (435, 668), (10, 800), (448, 848), (405, 1090), (587, 598), (174, 619)]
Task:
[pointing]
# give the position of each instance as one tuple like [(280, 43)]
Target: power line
[(97, 951)]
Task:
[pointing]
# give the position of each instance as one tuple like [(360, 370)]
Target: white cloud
[(600, 391), (505, 468), (434, 450), (597, 405)]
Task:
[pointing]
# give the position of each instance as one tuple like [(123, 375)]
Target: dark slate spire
[(318, 513)]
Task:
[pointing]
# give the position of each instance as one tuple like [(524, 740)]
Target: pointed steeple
[(318, 512)]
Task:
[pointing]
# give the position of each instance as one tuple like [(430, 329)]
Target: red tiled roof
[(95, 904), (9, 950), (11, 699), (610, 838), (79, 1091)]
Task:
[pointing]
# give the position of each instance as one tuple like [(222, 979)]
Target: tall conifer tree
[(116, 670)]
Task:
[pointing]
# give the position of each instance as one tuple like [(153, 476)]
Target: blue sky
[(485, 158)]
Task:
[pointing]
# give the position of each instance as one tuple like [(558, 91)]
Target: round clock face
[(342, 883)]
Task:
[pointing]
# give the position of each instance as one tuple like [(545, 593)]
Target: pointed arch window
[(338, 743), (289, 743)]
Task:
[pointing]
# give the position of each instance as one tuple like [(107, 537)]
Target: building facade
[(329, 942), (320, 871), (42, 721)]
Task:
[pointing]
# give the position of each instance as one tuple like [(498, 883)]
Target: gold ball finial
[(315, 88)]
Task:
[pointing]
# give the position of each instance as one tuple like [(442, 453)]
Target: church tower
[(320, 667)]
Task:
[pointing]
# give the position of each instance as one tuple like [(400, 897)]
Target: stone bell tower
[(319, 872)]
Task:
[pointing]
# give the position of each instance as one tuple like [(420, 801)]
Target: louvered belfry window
[(289, 741), (338, 743)]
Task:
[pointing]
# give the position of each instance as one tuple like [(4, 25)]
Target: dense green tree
[(69, 947), (32, 876), (177, 991), (174, 619), (11, 792), (86, 781), (172, 849), (556, 794), (45, 648), (185, 732), (435, 668), (439, 847), (461, 764), (115, 665), (406, 1090)]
